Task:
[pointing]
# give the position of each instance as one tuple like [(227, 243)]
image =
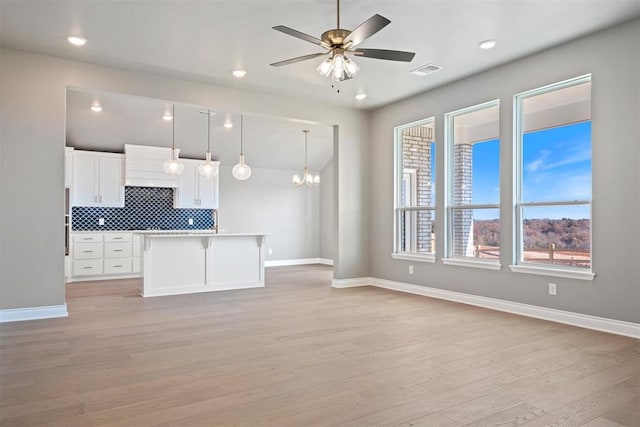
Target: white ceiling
[(205, 40), (269, 142)]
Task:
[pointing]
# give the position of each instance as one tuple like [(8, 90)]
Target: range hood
[(143, 166)]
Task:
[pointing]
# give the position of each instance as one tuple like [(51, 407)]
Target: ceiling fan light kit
[(340, 43)]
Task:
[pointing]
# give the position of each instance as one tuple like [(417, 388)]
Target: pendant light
[(207, 169), (173, 166), (241, 171), (307, 178)]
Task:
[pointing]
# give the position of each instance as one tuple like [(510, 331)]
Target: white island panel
[(176, 263)]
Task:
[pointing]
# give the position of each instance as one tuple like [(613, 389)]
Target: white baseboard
[(352, 283), (603, 324), (300, 261), (33, 313)]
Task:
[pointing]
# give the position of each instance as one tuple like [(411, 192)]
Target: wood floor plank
[(300, 353)]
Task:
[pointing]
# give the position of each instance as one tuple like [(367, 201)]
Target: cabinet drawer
[(87, 250), (117, 266), (135, 264), (87, 267), (87, 237), (117, 250), (117, 237)]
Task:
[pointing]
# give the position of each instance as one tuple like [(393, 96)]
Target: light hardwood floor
[(301, 353)]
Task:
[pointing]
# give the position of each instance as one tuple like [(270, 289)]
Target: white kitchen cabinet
[(195, 191), (97, 179), (68, 166), (108, 255)]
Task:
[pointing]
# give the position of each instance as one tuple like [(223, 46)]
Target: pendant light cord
[(208, 131), (173, 129), (338, 14), (241, 134)]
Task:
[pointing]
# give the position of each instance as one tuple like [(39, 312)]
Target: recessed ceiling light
[(487, 44), (167, 117), (77, 40), (361, 96), (239, 73), (228, 125), (96, 108)]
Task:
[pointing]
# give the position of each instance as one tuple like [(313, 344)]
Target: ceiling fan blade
[(391, 55), (366, 29), (298, 59), (298, 34)]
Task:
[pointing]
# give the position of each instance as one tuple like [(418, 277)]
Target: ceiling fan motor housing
[(335, 38)]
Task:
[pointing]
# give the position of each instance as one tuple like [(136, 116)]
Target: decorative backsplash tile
[(144, 208)]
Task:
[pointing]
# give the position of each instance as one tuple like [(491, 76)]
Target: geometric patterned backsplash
[(145, 208)]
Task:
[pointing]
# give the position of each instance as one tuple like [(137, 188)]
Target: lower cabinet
[(105, 255)]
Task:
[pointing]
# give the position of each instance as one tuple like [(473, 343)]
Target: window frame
[(450, 208), (399, 171), (519, 265)]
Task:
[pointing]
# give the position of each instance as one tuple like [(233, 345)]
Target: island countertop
[(188, 233)]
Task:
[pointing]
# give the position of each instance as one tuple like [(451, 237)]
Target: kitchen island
[(183, 262)]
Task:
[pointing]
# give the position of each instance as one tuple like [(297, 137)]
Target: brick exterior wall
[(416, 154), (462, 195)]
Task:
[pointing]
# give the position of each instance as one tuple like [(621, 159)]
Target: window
[(473, 186), (553, 179), (415, 191)]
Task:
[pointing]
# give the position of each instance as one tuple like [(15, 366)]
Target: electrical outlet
[(100, 221), (410, 269), (270, 251), (190, 221), (553, 289)]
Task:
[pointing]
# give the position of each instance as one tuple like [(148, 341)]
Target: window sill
[(488, 265), (551, 271), (414, 257)]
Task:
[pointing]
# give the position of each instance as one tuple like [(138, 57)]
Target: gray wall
[(33, 122), (268, 202), (327, 235), (613, 58)]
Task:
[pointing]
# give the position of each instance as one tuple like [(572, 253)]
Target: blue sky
[(557, 166)]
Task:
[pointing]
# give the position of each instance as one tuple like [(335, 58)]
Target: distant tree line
[(566, 233)]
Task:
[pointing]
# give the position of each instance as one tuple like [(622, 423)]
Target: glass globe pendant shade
[(207, 169), (173, 166), (241, 171)]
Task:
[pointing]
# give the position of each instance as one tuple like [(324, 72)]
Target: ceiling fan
[(339, 43)]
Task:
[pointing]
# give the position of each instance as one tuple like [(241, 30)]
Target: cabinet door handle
[(117, 250), (95, 199), (117, 238), (87, 252), (119, 265), (87, 268), (87, 238), (100, 199)]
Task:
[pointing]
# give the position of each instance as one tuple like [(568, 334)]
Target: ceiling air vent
[(426, 69)]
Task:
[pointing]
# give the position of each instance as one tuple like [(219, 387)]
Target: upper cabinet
[(195, 191), (68, 166), (97, 179)]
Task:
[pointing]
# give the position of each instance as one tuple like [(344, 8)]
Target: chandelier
[(307, 178)]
